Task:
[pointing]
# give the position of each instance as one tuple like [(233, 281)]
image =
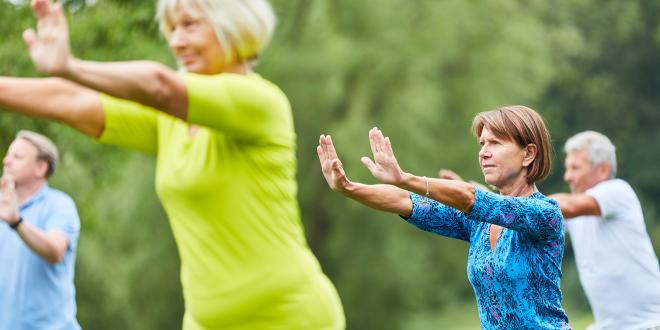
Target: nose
[(483, 152), (177, 39), (568, 177)]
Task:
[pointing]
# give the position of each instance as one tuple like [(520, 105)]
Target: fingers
[(448, 174), (337, 168), (388, 147), (372, 141), (332, 153), (40, 7), (371, 166), (29, 36), (7, 183)]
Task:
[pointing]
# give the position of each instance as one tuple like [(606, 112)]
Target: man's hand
[(8, 200)]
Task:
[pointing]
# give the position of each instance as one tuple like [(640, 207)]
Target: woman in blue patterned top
[(516, 238)]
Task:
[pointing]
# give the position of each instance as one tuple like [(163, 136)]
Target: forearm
[(51, 246), (382, 197), (575, 205), (457, 194), (146, 82), (53, 98)]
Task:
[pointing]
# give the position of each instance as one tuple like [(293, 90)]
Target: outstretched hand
[(332, 168), (8, 200), (384, 167), (49, 44), (449, 175)]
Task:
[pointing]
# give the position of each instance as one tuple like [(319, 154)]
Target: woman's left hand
[(49, 45), (384, 167)]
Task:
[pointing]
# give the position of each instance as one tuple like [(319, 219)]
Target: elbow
[(54, 257), (568, 211), (55, 253), (169, 93)]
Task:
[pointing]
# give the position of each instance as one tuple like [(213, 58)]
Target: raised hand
[(384, 166), (332, 168), (8, 200), (449, 175), (49, 45)]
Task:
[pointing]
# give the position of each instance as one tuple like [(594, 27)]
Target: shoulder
[(58, 197), (253, 81), (544, 200), (616, 187)]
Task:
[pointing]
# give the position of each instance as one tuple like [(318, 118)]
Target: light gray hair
[(46, 149), (599, 148), (243, 27)]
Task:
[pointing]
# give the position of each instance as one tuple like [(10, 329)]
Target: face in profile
[(22, 162), (580, 174), (193, 41), (501, 160)]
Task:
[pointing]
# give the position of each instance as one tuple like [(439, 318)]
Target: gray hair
[(46, 149), (599, 148), (243, 27)]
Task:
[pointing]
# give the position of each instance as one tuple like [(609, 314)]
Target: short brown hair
[(523, 126)]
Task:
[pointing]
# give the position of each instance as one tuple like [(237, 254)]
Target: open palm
[(384, 167), (332, 168), (49, 45)]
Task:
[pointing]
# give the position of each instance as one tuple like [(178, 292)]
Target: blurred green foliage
[(419, 70)]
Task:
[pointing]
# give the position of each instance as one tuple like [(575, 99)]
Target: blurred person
[(617, 265), (224, 143), (516, 238), (38, 245)]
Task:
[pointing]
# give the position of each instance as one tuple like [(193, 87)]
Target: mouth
[(187, 59)]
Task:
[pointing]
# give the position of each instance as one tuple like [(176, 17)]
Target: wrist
[(71, 66), (406, 181), (14, 225)]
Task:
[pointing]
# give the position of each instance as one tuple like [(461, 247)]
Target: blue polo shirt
[(35, 294)]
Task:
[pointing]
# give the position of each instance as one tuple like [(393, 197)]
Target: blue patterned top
[(517, 283)]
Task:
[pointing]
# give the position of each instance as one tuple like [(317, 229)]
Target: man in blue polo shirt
[(38, 242)]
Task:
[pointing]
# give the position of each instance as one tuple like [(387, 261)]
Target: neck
[(240, 68), (25, 191), (520, 188)]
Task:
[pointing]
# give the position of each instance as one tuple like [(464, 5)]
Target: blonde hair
[(523, 126), (46, 149), (243, 27)]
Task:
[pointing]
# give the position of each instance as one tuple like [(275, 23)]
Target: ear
[(529, 154), (42, 168), (603, 171)]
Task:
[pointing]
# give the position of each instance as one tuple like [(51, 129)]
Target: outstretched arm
[(384, 167), (575, 205), (54, 98), (381, 197), (149, 83)]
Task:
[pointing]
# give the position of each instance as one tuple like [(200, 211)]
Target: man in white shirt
[(616, 262)]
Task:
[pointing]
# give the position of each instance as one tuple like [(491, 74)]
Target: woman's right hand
[(332, 168), (49, 45)]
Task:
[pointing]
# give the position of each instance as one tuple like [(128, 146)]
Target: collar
[(39, 195)]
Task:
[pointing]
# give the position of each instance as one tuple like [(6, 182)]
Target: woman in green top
[(225, 147)]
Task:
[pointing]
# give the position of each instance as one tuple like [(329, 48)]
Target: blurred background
[(419, 70)]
